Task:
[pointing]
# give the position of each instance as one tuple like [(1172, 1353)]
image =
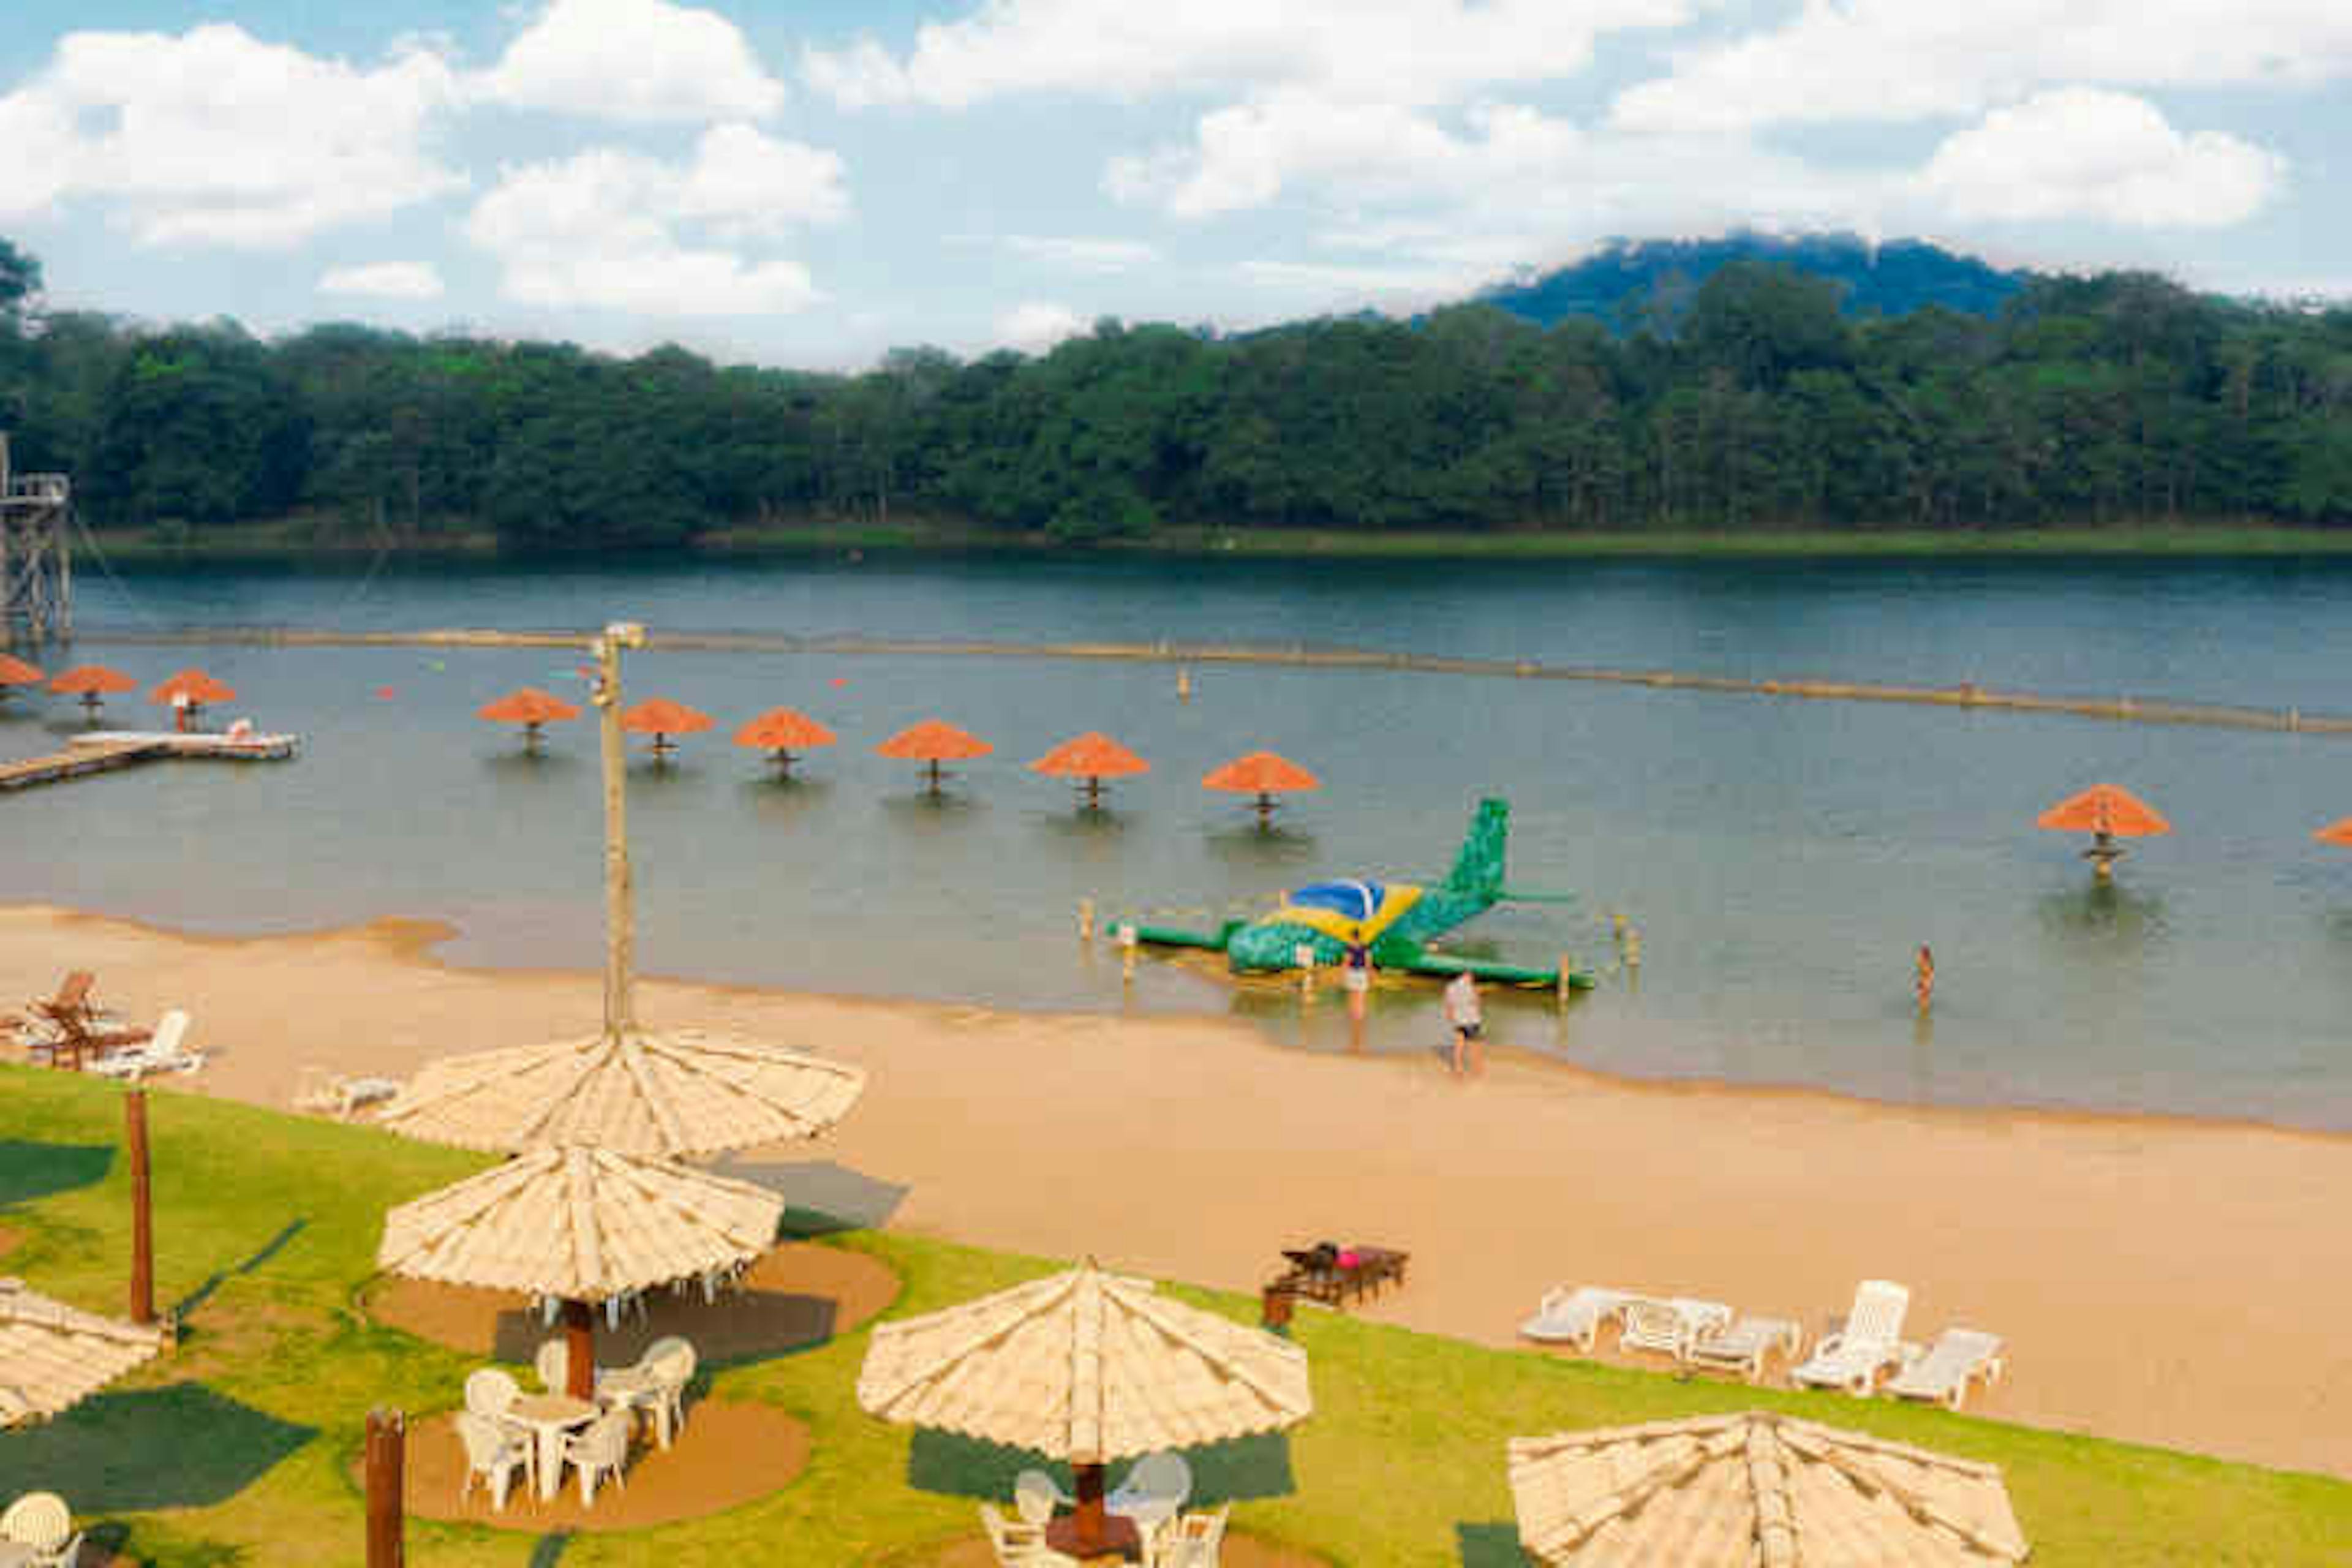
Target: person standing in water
[(1462, 1011), (1924, 987), (1356, 978)]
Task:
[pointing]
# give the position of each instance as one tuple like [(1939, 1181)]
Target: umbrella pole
[(580, 1350), (142, 1212), (620, 918), (387, 1443), (1089, 1520)]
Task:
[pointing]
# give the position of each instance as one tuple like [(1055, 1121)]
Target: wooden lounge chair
[(1958, 1357), (1575, 1317), (1319, 1275), (1869, 1342), (69, 1027), (1743, 1346)]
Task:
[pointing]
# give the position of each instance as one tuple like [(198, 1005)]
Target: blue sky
[(812, 183)]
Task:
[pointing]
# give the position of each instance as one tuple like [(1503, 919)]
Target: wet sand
[(2162, 1280)]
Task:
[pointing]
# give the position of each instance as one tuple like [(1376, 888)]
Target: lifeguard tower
[(36, 561)]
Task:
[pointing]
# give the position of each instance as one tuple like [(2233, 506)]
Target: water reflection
[(1251, 847), (2105, 920), (524, 764), (778, 802)]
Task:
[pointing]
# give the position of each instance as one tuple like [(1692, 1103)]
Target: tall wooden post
[(620, 915), (387, 1443), (579, 1349), (142, 1230)]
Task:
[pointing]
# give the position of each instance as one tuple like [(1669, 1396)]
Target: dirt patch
[(9, 1239), (725, 1456), (1239, 1551), (797, 1295)]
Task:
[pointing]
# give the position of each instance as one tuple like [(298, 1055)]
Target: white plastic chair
[(602, 1449), (553, 1365), (494, 1453), (1036, 1496), (1574, 1317), (492, 1392), (161, 1053), (1870, 1343), (41, 1522), (1956, 1358), (1193, 1541), (1017, 1543), (1154, 1491)]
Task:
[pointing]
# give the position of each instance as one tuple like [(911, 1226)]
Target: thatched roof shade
[(674, 1095), (579, 1224), (1086, 1366), (52, 1355), (1756, 1490)]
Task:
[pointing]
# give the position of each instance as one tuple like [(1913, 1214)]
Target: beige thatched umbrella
[(1756, 1490), (583, 1226), (671, 1095), (1087, 1367), (52, 1355)]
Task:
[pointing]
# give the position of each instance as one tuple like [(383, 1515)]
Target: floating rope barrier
[(1968, 694)]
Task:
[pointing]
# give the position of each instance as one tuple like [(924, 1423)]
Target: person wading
[(1469, 1023), (1925, 987), (1356, 978)]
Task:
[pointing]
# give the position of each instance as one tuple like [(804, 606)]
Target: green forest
[(1750, 403)]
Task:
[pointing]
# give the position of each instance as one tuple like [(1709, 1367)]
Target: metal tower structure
[(35, 560)]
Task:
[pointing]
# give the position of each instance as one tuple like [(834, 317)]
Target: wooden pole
[(579, 1349), (1090, 1519), (143, 1229), (620, 914), (387, 1440)]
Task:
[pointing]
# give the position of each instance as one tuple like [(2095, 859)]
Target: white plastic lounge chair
[(1018, 1544), (1035, 1496), (1154, 1491), (1956, 1359), (1669, 1327), (164, 1053), (601, 1449), (1742, 1346), (1191, 1540), (494, 1453), (1870, 1343), (1574, 1317), (43, 1525), (334, 1094)]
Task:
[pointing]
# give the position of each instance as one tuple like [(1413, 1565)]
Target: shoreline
[(2119, 1254)]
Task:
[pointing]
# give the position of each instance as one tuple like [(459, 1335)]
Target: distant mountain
[(1629, 281)]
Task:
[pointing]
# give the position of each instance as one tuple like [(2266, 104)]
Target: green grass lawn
[(236, 1448)]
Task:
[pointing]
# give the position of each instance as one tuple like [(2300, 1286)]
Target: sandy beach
[(2166, 1281)]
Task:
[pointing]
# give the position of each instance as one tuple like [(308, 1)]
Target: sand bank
[(2162, 1280)]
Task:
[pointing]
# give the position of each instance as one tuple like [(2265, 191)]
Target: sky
[(812, 183)]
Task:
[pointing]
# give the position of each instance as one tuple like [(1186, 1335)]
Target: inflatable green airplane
[(1395, 920)]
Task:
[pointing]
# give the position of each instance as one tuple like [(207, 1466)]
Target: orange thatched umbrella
[(530, 708), (661, 719), (2337, 833), (934, 741), (1094, 757), (2106, 812), (17, 672), (187, 694), (1264, 775), (782, 732), (91, 682)]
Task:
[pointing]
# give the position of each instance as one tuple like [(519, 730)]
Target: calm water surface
[(1782, 859)]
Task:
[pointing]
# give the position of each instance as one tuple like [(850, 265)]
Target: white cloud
[(1909, 59), (620, 230), (1081, 254), (214, 136), (638, 61), (1411, 51), (1035, 326), (2089, 152), (384, 280)]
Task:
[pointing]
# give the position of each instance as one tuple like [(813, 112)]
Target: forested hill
[(1633, 285), (2117, 400)]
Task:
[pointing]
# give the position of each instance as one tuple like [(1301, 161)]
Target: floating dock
[(104, 751)]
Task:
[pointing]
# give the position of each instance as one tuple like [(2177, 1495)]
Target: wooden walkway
[(80, 762)]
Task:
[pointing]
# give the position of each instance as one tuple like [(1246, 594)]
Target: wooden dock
[(78, 762)]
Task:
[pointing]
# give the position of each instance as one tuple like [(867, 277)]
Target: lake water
[(1781, 858)]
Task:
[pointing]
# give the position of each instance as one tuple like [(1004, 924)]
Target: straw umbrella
[(15, 672), (188, 693), (53, 1355), (781, 731), (1756, 1490), (1093, 757), (1264, 775), (934, 741), (2107, 812), (2337, 833), (530, 708), (661, 717), (583, 1226), (92, 683), (1086, 1367)]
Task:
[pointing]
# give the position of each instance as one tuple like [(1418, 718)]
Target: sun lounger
[(332, 1094), (1742, 1346), (164, 1053), (1956, 1359), (1340, 1275), (1671, 1325), (1870, 1342), (1574, 1317)]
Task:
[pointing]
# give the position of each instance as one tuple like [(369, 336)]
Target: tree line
[(1753, 404)]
